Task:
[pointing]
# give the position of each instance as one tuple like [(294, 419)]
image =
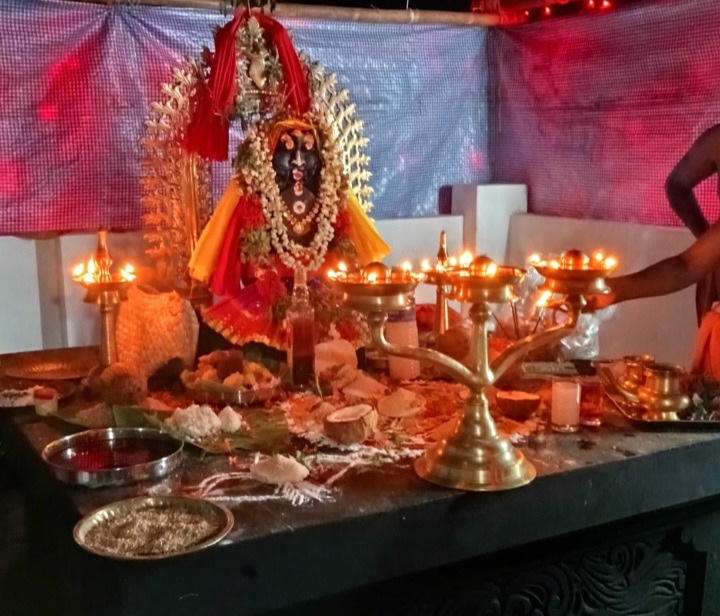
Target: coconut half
[(351, 424), (364, 388), (278, 469), (401, 403)]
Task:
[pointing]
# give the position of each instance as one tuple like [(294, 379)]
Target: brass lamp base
[(475, 457)]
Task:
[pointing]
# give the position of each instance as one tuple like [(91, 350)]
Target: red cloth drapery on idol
[(209, 128)]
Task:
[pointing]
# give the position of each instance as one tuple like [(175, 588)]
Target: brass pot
[(662, 394)]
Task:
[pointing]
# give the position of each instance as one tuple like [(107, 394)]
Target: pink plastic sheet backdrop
[(77, 79), (593, 112)]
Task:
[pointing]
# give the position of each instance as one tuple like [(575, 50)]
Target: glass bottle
[(301, 330)]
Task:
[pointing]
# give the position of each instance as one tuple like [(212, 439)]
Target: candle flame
[(466, 259), (543, 299)]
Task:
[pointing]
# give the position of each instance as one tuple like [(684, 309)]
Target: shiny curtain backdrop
[(76, 81), (593, 112)]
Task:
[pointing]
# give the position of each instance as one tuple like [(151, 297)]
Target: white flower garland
[(333, 186)]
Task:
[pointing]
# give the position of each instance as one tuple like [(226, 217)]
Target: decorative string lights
[(524, 11)]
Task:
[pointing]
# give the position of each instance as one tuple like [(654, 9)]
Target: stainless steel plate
[(216, 515), (215, 393), (113, 456)]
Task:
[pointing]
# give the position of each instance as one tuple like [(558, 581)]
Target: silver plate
[(219, 516), (122, 475)]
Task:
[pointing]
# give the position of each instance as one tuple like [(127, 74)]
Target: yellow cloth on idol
[(204, 257), (368, 243)]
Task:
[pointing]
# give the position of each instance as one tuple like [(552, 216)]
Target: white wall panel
[(20, 321), (415, 239), (664, 327)]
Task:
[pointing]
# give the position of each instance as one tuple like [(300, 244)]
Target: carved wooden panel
[(634, 579)]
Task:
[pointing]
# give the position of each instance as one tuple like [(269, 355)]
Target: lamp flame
[(466, 259), (453, 261), (406, 267), (544, 298), (425, 266)]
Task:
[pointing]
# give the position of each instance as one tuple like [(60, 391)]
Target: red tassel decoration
[(296, 85), (209, 128), (208, 132)]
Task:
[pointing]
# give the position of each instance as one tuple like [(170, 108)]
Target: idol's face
[(296, 161)]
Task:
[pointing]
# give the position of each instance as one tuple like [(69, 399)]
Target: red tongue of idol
[(209, 128)]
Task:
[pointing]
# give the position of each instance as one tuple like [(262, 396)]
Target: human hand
[(599, 301)]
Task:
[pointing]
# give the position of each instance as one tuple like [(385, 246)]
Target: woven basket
[(154, 328)]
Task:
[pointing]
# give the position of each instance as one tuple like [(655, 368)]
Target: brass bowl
[(373, 297), (495, 289), (662, 394), (573, 282)]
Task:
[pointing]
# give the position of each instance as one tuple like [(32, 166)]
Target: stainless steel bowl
[(217, 515), (113, 456)]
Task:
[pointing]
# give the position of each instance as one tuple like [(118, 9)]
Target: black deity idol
[(296, 161)]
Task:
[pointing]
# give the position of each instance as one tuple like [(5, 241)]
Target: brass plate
[(51, 365), (635, 413), (217, 515)]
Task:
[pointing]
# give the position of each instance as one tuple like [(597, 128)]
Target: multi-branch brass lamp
[(107, 288), (474, 456)]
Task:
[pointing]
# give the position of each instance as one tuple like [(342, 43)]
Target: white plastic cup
[(565, 409), (401, 329)]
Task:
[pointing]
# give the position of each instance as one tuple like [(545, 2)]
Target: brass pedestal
[(474, 456)]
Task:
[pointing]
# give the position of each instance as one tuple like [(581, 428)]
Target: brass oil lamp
[(474, 456), (106, 287)]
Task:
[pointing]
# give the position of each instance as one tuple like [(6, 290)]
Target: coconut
[(517, 405), (401, 403), (351, 424), (364, 388), (278, 469)]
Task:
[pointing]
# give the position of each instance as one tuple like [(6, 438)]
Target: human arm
[(698, 164), (669, 275)]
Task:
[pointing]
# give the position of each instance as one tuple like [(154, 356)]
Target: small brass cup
[(662, 394), (634, 376)]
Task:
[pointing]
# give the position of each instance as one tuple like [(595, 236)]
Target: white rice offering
[(230, 421), (196, 421)]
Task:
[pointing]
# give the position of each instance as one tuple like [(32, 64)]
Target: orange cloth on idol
[(706, 359)]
